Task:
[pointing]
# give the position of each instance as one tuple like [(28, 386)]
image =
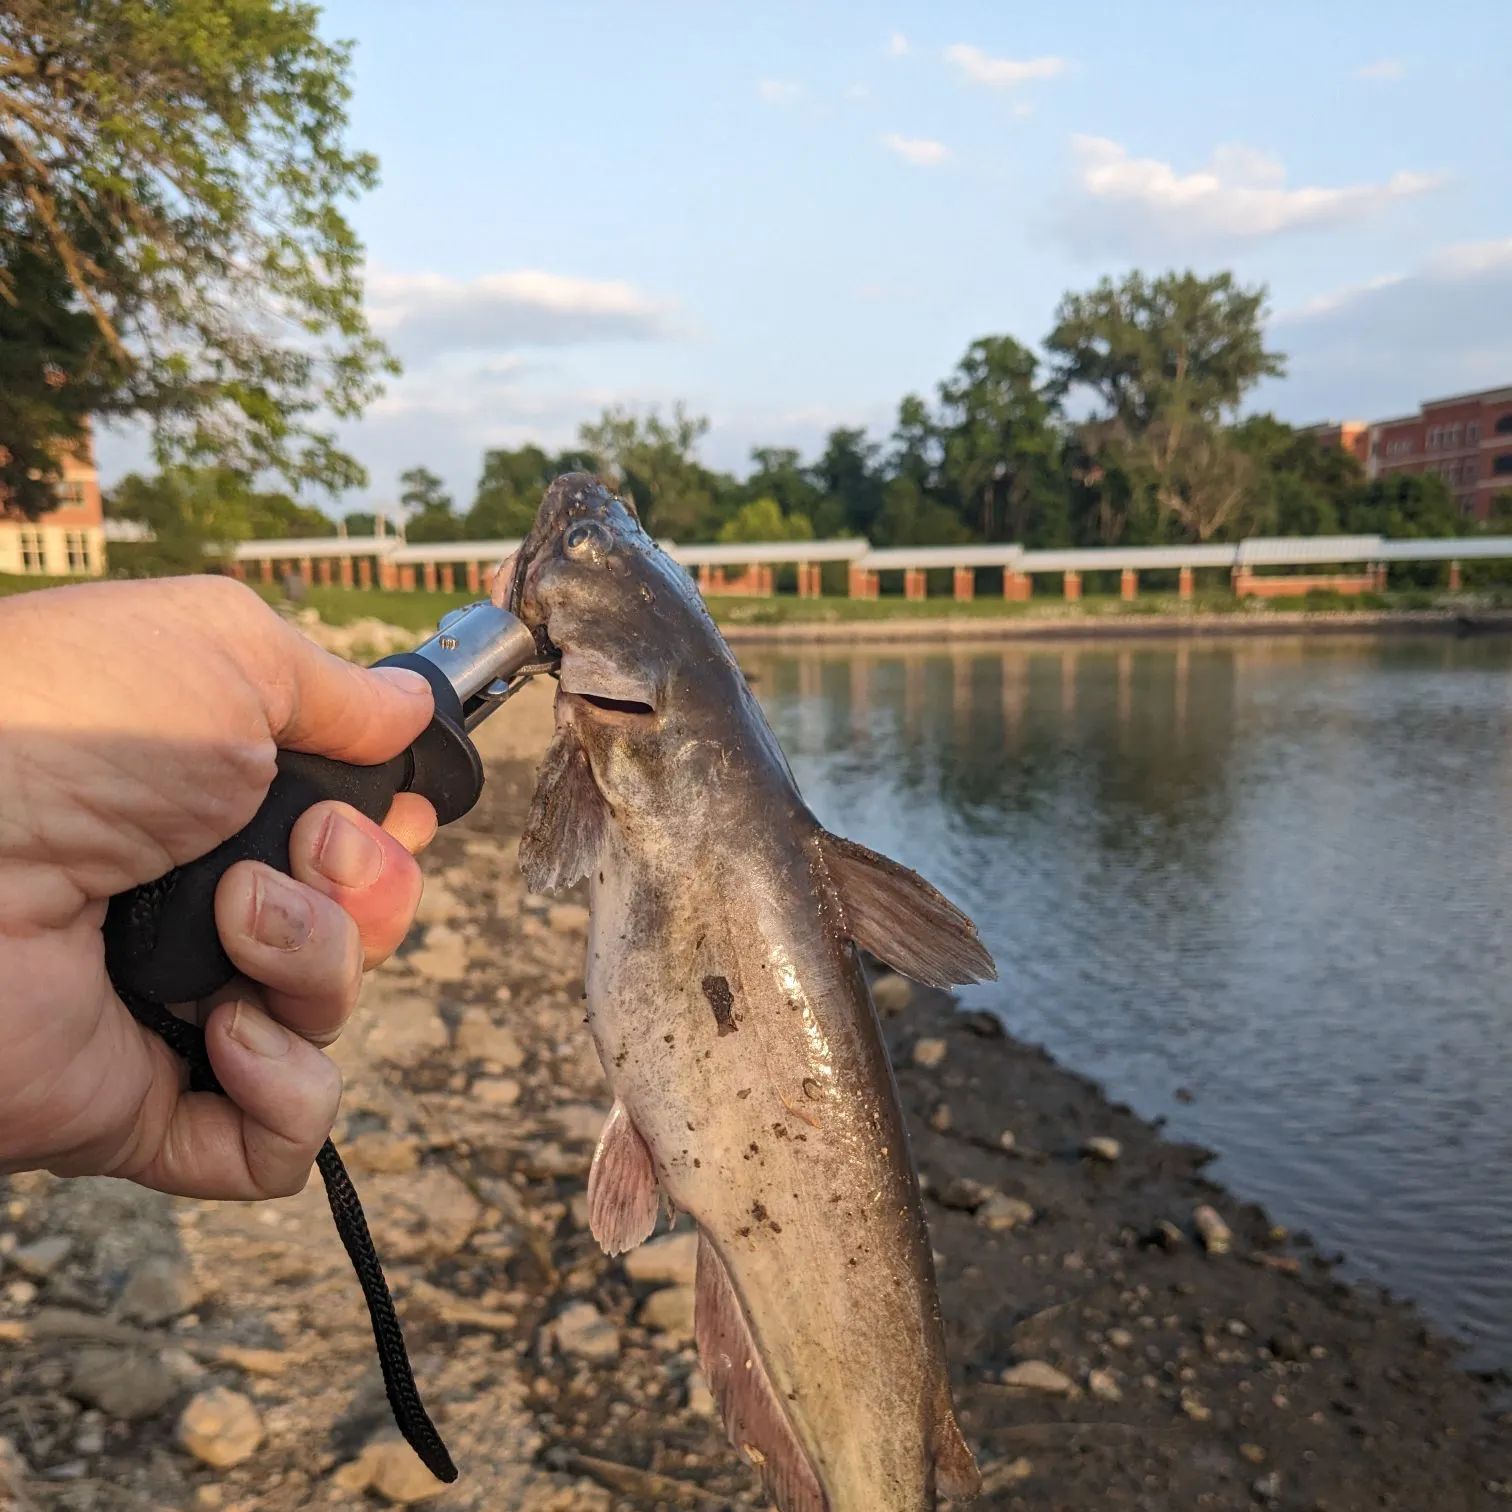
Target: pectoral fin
[(896, 915), (753, 1415), (623, 1201), (567, 817), (956, 1473)]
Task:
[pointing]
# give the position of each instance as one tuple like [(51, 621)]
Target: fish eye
[(587, 541)]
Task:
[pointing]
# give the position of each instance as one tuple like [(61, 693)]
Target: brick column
[(808, 580), (364, 572), (1184, 586), (407, 578), (1128, 584), (473, 581), (915, 585), (1454, 577), (855, 581), (430, 577), (324, 569), (448, 578), (306, 571), (1380, 577), (1073, 587), (267, 569), (765, 582), (239, 571), (1016, 586), (965, 585)]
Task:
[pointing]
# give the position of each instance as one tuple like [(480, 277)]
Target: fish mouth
[(622, 708)]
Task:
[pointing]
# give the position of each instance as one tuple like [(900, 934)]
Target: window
[(78, 560), (1502, 465), (1472, 432), (1504, 424), (71, 495), (1432, 442), (31, 551), (1467, 470)]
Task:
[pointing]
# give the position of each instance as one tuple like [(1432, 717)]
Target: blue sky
[(789, 215)]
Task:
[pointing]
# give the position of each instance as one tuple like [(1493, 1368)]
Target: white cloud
[(426, 315), (1385, 68), (897, 45), (1379, 348), (1001, 73), (777, 91), (923, 152), (1130, 204)]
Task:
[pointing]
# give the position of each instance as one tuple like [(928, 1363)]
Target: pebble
[(582, 1330), (1103, 1385), (1000, 1212), (669, 1311), (1001, 1474), (671, 1260), (964, 1194), (580, 1122), (22, 1293), (408, 1031), (1253, 1453), (158, 1290), (480, 1039), (1007, 1140), (391, 1468), (1120, 1338), (929, 1053), (438, 903), (442, 957), (220, 1428), (378, 1153), (1212, 1230), (1102, 1148), (420, 1215), (700, 1398), (892, 993), (1036, 1375), (42, 1257), (568, 918), (126, 1384), (1167, 1235), (1267, 1487), (13, 1467), (1193, 1406), (496, 1091), (940, 1120)]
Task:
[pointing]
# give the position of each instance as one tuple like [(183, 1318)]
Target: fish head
[(645, 675)]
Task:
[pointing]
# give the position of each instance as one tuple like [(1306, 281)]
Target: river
[(1260, 888)]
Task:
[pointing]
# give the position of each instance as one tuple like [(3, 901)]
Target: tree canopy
[(173, 242)]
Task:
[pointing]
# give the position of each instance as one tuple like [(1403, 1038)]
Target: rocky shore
[(1124, 1333)]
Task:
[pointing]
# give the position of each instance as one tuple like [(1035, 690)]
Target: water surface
[(1273, 873)]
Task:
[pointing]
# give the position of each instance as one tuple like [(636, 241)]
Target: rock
[(1267, 1487), (670, 1260), (220, 1428), (158, 1290), (1007, 1140), (1120, 1338), (568, 918), (425, 1214), (438, 903), (380, 1153), (42, 1257), (1102, 1148), (408, 1031), (669, 1311), (1212, 1230), (496, 1091), (1288, 1346), (14, 1469), (1000, 1212), (583, 1331), (391, 1468), (1036, 1375), (892, 993), (581, 1123), (940, 1120), (1253, 1453), (929, 1053), (964, 1194), (1194, 1407), (1166, 1235), (22, 1293), (700, 1398), (480, 1039), (1001, 1474), (442, 956), (1103, 1386), (981, 1023), (125, 1384)]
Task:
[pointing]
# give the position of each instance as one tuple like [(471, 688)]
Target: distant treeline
[(1127, 433)]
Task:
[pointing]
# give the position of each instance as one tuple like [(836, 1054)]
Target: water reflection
[(1275, 872)]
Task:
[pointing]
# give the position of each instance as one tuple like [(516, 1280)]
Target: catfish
[(731, 1014)]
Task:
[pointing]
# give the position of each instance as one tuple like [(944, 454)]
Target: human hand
[(139, 726)]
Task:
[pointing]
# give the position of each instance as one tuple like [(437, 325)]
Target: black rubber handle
[(160, 938)]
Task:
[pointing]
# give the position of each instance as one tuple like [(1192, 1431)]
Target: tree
[(427, 507), (1001, 453), (1168, 359), (850, 481), (763, 520), (1405, 506), (172, 238), (911, 517), (652, 460), (510, 489), (779, 474), (1300, 488)]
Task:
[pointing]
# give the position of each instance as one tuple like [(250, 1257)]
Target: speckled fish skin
[(735, 1028)]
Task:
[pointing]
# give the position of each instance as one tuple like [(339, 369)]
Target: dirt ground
[(160, 1354)]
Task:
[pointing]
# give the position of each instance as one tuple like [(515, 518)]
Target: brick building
[(1465, 439), (68, 541)]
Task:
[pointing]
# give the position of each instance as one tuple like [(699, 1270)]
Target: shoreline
[(962, 628), (1163, 1376)]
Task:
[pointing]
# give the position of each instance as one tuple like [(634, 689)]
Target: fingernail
[(255, 1031), (346, 855), (406, 679), (281, 915)]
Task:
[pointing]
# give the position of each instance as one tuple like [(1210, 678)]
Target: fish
[(730, 1010)]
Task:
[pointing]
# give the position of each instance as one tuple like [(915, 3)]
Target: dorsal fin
[(623, 1201), (753, 1415), (896, 915)]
